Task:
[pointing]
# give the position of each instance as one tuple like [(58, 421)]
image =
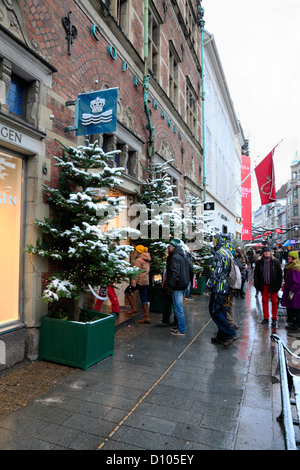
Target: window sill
[(9, 327)]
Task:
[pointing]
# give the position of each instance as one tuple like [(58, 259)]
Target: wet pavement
[(157, 392)]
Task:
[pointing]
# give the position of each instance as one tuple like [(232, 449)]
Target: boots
[(132, 302), (146, 314)]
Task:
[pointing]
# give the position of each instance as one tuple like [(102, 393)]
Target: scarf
[(295, 265), (267, 271)]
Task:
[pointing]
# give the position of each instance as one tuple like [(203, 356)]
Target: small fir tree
[(78, 235), (157, 195), (203, 252)]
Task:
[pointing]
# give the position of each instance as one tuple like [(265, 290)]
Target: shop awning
[(290, 242)]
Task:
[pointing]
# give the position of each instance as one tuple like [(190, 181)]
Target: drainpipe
[(150, 149), (202, 23)]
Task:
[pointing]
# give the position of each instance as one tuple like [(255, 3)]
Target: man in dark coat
[(179, 275), (268, 280)]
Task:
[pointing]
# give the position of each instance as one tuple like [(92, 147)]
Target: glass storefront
[(11, 182)]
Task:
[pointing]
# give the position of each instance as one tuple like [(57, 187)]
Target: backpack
[(234, 277)]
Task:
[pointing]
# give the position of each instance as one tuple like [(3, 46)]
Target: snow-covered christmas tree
[(198, 234), (78, 237), (157, 196)]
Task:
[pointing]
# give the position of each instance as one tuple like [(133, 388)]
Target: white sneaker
[(177, 333)]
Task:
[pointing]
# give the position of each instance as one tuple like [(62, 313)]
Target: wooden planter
[(77, 344), (156, 299), (201, 282)]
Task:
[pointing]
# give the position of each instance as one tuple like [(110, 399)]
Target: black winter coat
[(275, 274), (179, 270)]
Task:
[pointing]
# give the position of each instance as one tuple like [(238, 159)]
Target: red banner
[(246, 199), (265, 176)]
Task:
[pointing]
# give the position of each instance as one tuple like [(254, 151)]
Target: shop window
[(11, 178)]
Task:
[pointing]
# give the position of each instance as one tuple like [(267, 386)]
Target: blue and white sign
[(96, 112)]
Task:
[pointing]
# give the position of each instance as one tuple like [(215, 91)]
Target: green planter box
[(156, 299), (201, 281), (77, 344)]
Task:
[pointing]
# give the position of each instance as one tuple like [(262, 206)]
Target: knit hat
[(265, 248), (175, 242), (141, 249), (294, 254)]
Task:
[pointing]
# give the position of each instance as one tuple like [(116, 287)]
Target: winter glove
[(206, 293)]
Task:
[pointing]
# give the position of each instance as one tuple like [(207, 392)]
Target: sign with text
[(96, 112), (209, 206), (246, 198)]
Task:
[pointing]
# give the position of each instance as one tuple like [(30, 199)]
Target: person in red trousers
[(268, 280)]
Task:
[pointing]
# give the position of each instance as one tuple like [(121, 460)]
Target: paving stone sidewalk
[(26, 381), (157, 392)]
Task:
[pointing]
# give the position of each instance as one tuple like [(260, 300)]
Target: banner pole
[(240, 184), (251, 173)]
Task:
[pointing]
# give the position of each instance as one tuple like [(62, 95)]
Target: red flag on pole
[(265, 176)]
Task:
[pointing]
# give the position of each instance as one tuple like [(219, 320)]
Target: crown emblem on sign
[(97, 105)]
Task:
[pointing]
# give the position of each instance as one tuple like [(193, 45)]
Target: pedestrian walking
[(250, 256), (188, 291), (257, 255), (168, 303), (242, 258), (142, 261), (219, 290), (232, 295), (268, 280), (277, 254), (291, 291), (180, 273)]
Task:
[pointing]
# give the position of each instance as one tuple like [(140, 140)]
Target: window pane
[(15, 96)]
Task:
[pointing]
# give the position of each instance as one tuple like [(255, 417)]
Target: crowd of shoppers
[(270, 270)]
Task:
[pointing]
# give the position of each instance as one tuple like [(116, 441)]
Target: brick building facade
[(41, 69)]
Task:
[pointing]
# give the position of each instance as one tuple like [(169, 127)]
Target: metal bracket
[(70, 30)]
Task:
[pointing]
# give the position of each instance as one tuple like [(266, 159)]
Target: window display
[(11, 180)]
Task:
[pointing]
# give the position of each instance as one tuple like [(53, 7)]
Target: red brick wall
[(89, 61)]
